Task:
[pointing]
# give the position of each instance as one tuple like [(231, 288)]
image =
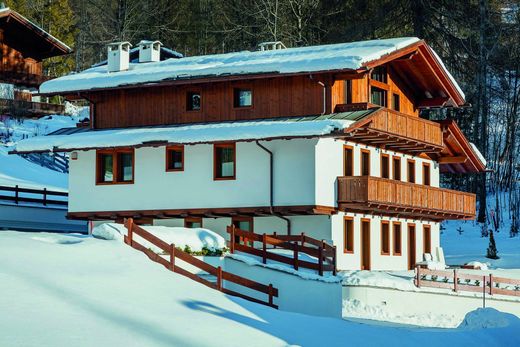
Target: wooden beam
[(453, 160)]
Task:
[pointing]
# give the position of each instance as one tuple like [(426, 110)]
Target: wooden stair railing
[(175, 253), (325, 253)]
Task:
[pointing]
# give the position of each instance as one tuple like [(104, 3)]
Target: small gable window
[(175, 158), (193, 101), (379, 74), (243, 97)]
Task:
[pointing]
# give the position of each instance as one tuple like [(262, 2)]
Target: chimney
[(118, 56), (271, 46), (149, 51)]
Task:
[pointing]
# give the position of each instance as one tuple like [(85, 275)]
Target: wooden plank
[(506, 280), (247, 297), (151, 238)]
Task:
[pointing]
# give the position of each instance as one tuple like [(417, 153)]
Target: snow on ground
[(15, 170), (70, 290), (195, 238), (470, 246)]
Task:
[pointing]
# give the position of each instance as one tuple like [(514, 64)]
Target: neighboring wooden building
[(23, 47), (325, 140)]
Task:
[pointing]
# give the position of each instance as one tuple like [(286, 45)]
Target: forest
[(478, 40)]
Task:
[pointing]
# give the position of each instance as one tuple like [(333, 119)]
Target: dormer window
[(193, 101), (243, 97), (379, 74)]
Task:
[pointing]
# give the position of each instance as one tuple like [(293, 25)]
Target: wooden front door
[(411, 247), (365, 244)]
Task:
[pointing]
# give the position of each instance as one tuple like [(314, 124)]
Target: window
[(397, 168), (224, 161), (396, 102), (114, 166), (348, 91), (348, 246), (193, 101), (397, 238), (379, 74), (385, 238), (365, 162), (385, 166), (411, 171), (243, 97), (378, 96), (348, 157), (193, 222), (175, 158), (426, 174), (427, 239)]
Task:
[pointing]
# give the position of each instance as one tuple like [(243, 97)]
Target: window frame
[(387, 223), (345, 149), (424, 166), (394, 159), (364, 151), (346, 250), (193, 220), (408, 162), (384, 93), (168, 159), (224, 145), (188, 100), (427, 230), (395, 238), (236, 97), (396, 97), (383, 155), (115, 165)]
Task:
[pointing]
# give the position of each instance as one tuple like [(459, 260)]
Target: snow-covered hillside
[(79, 291)]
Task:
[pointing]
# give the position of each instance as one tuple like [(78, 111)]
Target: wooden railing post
[(274, 235), (16, 195), (295, 255), (172, 257), (302, 239), (320, 258), (490, 284), (455, 280), (264, 248), (334, 269), (270, 292), (418, 276), (232, 239), (219, 278), (130, 226), (44, 196)]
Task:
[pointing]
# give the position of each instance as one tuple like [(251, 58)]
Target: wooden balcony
[(22, 108), (385, 196), (398, 131), (20, 77)]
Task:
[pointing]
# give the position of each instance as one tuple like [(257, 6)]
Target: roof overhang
[(28, 38), (458, 154)]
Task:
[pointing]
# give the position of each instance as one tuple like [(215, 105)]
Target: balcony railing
[(29, 108), (398, 131), (380, 195)]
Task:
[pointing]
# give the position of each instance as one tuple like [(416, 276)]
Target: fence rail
[(460, 281), (325, 253), (175, 253), (17, 197)]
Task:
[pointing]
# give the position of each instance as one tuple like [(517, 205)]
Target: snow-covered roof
[(186, 134), (166, 53), (342, 56), (478, 153)]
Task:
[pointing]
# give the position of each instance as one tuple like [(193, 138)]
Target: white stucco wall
[(154, 188)]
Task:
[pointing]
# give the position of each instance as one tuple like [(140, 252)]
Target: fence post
[(219, 278), (455, 280), (320, 259), (16, 195), (490, 284), (274, 234), (130, 226), (302, 240), (334, 269), (270, 292), (44, 196), (172, 257), (232, 240), (264, 248), (417, 277), (484, 291), (295, 255)]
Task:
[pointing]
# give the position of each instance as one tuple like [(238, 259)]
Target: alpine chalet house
[(325, 140), (23, 47)]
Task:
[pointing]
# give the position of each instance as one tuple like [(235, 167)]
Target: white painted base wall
[(295, 294)]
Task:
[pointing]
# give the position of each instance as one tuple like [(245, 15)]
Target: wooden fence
[(460, 281), (175, 253), (18, 195), (322, 251)]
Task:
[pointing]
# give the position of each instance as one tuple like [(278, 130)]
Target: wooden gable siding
[(272, 97), (361, 92)]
